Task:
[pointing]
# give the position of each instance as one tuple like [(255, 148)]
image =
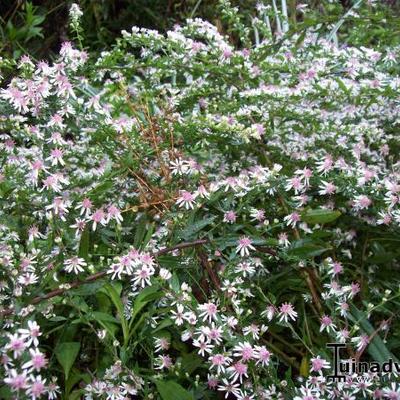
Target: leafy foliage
[(196, 214)]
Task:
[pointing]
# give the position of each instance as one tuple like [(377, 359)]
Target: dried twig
[(205, 263)]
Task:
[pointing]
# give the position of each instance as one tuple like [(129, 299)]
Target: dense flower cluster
[(23, 363), (189, 213)]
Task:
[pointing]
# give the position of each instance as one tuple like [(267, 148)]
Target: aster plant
[(184, 218)]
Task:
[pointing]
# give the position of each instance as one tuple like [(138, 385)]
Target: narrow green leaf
[(320, 216), (113, 292), (376, 348), (307, 248), (190, 231), (84, 244), (100, 316), (147, 295), (164, 324)]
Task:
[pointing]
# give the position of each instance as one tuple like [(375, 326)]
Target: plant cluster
[(187, 218)]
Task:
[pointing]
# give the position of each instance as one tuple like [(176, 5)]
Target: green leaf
[(66, 354), (104, 317), (5, 393), (232, 240), (307, 248), (164, 324), (84, 244), (76, 394), (190, 362), (89, 289), (148, 236), (75, 377), (376, 348), (57, 319), (305, 366), (175, 284), (170, 390), (148, 294), (342, 85), (190, 231), (113, 291), (140, 232), (320, 216)]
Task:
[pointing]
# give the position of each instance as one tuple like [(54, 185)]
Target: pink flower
[(295, 184), (326, 323), (343, 335), (142, 276), (52, 182), (361, 202), (292, 219), (283, 239), (161, 344), (79, 226), (244, 245), (230, 183), (245, 351), (36, 167), (37, 361), (16, 381), (305, 174), (317, 364), (229, 388), (238, 371), (113, 212), (203, 346), (253, 330), (187, 200), (286, 311), (344, 308), (269, 312), (164, 362), (353, 289), (98, 217), (17, 99), (31, 334), (219, 361), (85, 207), (325, 165), (214, 334), (16, 344), (36, 387), (56, 120), (124, 266), (227, 53), (208, 311), (202, 192), (327, 188), (361, 342), (336, 268), (34, 233), (179, 315), (230, 217), (75, 264), (212, 382), (263, 355), (56, 157)]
